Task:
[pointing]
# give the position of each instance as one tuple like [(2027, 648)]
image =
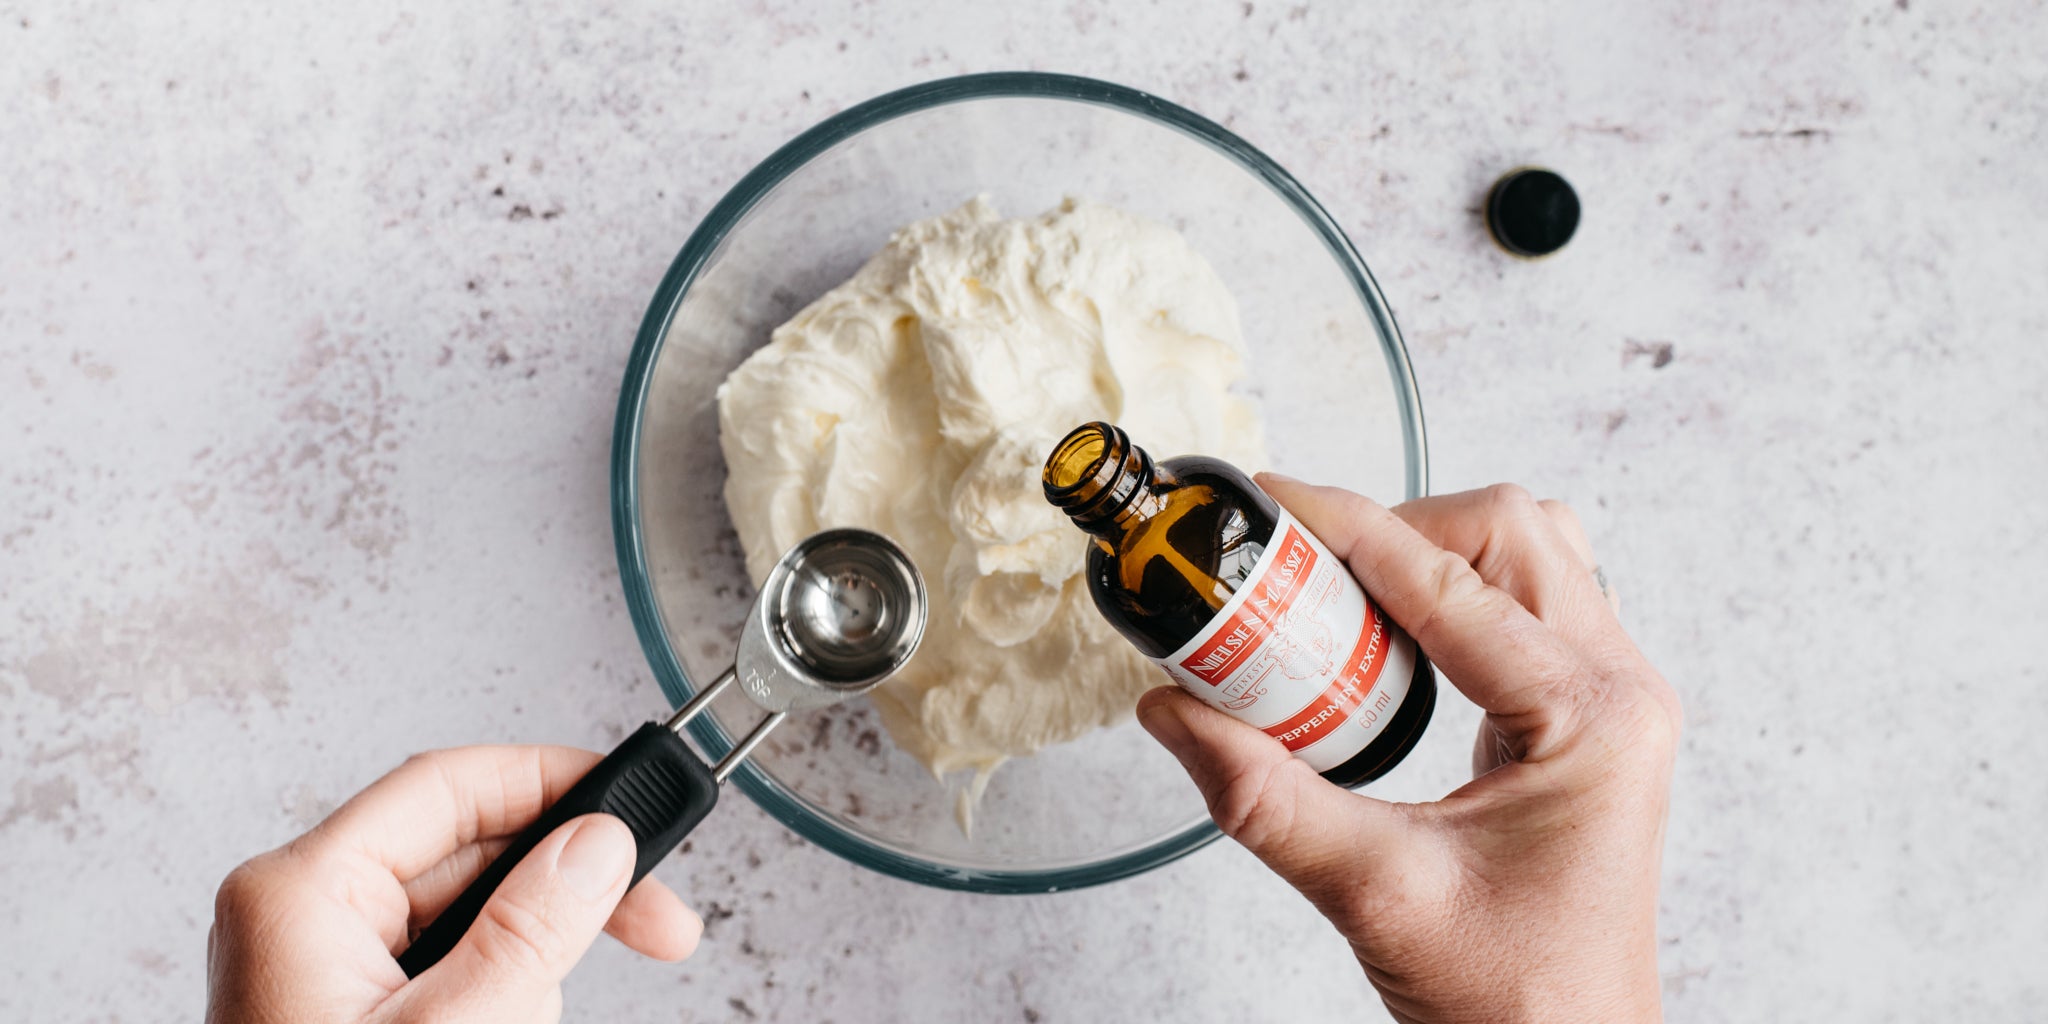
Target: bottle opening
[(1094, 472), (1077, 457)]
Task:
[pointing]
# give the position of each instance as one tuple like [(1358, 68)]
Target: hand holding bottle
[(1530, 893), (1209, 577)]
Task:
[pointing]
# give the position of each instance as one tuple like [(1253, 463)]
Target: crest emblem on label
[(1300, 652)]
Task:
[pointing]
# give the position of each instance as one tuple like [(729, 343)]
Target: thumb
[(1319, 837), (538, 924)]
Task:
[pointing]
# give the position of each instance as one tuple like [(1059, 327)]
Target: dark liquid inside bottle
[(1173, 541)]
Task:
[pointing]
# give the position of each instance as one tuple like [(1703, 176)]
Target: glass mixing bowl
[(1326, 364)]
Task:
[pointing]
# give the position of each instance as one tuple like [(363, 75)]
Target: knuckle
[(247, 894), (1254, 807), (1635, 729), (431, 767), (425, 762), (1451, 587), (240, 892), (1372, 913), (1398, 899), (1563, 514), (517, 936), (1670, 723), (1509, 501)]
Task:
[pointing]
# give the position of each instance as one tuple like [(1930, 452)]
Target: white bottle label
[(1300, 652)]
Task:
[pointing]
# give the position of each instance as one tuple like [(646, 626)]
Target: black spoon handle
[(653, 782)]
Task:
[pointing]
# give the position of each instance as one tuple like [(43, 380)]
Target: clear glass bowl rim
[(704, 242)]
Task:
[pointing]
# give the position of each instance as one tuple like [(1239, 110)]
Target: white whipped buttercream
[(920, 399)]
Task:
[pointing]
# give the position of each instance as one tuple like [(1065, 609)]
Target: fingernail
[(598, 856), (1159, 719), (1279, 478)]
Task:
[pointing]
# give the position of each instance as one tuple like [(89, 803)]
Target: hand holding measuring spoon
[(839, 614)]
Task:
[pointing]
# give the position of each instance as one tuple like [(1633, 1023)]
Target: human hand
[(1530, 893), (310, 931)]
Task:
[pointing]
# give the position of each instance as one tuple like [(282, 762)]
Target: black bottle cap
[(1532, 212)]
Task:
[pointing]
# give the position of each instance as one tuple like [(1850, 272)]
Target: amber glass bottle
[(1208, 576)]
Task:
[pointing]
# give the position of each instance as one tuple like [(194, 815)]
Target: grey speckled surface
[(311, 323)]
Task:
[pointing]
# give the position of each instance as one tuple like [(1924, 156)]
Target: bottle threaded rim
[(1094, 472)]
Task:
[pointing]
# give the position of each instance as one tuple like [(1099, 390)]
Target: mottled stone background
[(312, 319)]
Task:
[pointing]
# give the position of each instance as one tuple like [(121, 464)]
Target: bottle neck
[(1101, 480)]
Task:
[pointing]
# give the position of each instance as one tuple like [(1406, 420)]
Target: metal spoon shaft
[(731, 762), (701, 701)]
